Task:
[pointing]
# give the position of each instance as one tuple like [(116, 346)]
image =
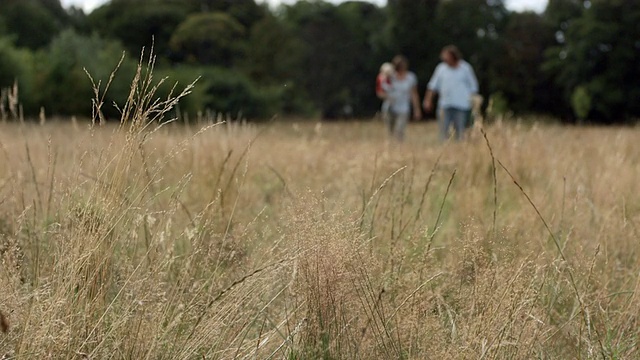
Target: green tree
[(3, 26), (209, 38), (65, 88), (274, 53), (517, 72), (31, 23), (366, 53), (247, 12), (18, 65), (476, 27), (10, 66), (138, 24), (560, 13), (412, 32), (602, 52), (222, 91), (338, 62), (78, 20), (274, 59), (54, 7), (325, 53)]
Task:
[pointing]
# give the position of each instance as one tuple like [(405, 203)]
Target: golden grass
[(300, 241)]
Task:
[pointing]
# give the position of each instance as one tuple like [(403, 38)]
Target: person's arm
[(432, 89), (428, 100)]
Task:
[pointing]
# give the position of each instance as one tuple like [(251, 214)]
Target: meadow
[(303, 240)]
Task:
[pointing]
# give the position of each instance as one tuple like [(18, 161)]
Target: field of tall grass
[(307, 241)]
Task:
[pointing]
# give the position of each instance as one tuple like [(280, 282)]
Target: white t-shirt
[(455, 85), (400, 93)]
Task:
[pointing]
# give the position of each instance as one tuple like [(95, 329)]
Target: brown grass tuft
[(147, 239)]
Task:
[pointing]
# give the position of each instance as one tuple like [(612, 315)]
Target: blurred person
[(404, 94), (456, 84), (383, 87)]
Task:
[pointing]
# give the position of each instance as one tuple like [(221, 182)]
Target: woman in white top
[(455, 83), (403, 96)]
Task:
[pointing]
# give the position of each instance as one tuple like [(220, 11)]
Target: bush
[(498, 105), (232, 94), (16, 65), (581, 102), (65, 87)]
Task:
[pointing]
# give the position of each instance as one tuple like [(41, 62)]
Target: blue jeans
[(452, 116)]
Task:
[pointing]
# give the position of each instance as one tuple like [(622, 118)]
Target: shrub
[(16, 66), (498, 105), (225, 92), (581, 102), (66, 88)]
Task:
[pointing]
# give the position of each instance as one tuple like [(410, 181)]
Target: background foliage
[(315, 58)]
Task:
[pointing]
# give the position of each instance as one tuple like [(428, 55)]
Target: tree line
[(579, 59)]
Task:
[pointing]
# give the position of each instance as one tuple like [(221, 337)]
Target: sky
[(515, 5)]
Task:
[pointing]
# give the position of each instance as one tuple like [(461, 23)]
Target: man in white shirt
[(455, 83)]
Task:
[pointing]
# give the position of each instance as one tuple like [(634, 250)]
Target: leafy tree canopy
[(33, 23), (601, 52), (209, 38), (318, 57)]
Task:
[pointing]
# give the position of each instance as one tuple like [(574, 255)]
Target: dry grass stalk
[(138, 240), (10, 107)]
